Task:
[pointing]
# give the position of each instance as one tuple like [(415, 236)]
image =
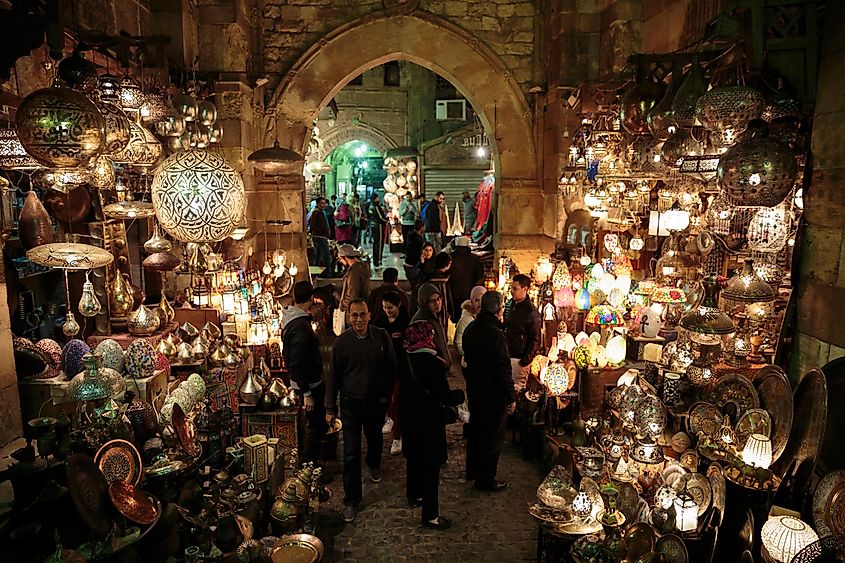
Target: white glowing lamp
[(582, 339), (675, 218), (784, 536), (584, 260), (595, 337), (616, 297), (582, 506), (600, 356), (623, 283), (597, 271), (758, 451), (568, 343), (686, 512), (556, 378), (293, 270), (228, 302), (545, 268), (616, 350), (607, 283)]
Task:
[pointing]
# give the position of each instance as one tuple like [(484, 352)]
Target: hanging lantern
[(757, 171), (206, 113), (678, 146), (747, 286), (153, 109), (60, 127), (637, 103), (616, 350), (118, 128), (77, 72), (728, 110), (561, 278), (143, 150), (769, 229), (34, 225), (186, 106), (171, 124), (131, 95), (683, 104), (89, 305), (198, 196), (101, 175)]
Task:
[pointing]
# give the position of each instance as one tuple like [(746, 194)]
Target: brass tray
[(297, 548), (119, 460)]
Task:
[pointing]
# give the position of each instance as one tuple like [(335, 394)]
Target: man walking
[(301, 351), (490, 392), (363, 372), (434, 221), (378, 220), (522, 329), (356, 280), (414, 247), (318, 223), (466, 273), (408, 213), (330, 211)]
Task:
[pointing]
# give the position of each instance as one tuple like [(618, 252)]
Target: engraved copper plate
[(87, 488), (828, 504), (736, 389), (673, 548), (119, 460), (133, 503), (776, 398), (704, 417)]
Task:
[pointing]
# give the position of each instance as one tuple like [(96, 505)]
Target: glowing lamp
[(565, 297), (616, 349), (758, 451), (584, 260), (228, 302), (568, 343), (600, 357), (748, 286), (636, 244), (582, 506), (561, 278), (606, 283), (582, 356), (556, 378), (623, 283), (616, 297), (668, 294), (686, 512), (675, 218), (597, 271), (784, 536), (544, 269), (605, 315), (645, 287), (582, 301)]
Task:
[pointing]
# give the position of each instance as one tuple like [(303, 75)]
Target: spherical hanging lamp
[(108, 88), (101, 174), (769, 229), (154, 108), (757, 451), (60, 128), (143, 150), (131, 95), (678, 146), (637, 103), (747, 286), (277, 160), (757, 171), (728, 110), (198, 196), (77, 72), (660, 120)]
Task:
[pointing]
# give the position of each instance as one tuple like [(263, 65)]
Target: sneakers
[(349, 513), (376, 475), (441, 523), (396, 447), (494, 487), (388, 426)]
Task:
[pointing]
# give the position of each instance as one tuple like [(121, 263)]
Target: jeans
[(357, 415), (315, 425), (407, 230), (422, 481), (321, 250)]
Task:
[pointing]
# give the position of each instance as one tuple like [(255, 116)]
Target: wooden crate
[(283, 424)]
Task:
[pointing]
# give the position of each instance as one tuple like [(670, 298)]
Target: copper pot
[(161, 262), (71, 207)]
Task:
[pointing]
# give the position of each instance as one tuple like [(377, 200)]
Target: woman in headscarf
[(469, 310), (395, 321), (431, 305), (423, 389), (439, 278)]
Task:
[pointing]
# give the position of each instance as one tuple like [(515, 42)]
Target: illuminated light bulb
[(754, 179), (584, 260), (636, 244), (267, 269), (293, 270), (278, 271), (480, 152)]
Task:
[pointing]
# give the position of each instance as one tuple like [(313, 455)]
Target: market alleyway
[(486, 526)]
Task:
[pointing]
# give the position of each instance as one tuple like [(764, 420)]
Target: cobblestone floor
[(486, 526)]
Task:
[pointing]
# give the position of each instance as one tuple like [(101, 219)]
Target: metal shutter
[(452, 182)]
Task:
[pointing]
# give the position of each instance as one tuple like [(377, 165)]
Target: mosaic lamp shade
[(784, 536), (198, 196), (645, 287), (561, 278), (556, 378), (606, 315), (746, 285), (668, 294)]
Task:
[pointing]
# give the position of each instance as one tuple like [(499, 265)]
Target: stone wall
[(290, 27)]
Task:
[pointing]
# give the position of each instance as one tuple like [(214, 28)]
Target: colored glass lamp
[(670, 297)]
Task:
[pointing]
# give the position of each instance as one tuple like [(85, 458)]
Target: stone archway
[(345, 132), (466, 62)]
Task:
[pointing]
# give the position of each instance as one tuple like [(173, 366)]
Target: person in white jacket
[(469, 309)]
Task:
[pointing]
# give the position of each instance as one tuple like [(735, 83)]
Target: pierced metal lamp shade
[(143, 150), (118, 128), (650, 416), (748, 286), (757, 171), (707, 318), (89, 385), (198, 196), (277, 160), (784, 536), (728, 110), (131, 95), (129, 209), (60, 127), (12, 154), (70, 256), (647, 451)]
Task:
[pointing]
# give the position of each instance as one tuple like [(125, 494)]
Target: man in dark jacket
[(318, 224), (378, 221), (490, 392), (433, 223), (522, 329), (301, 350), (390, 282), (363, 372), (466, 272), (414, 247)]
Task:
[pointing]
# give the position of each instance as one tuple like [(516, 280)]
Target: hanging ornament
[(267, 269), (157, 243), (120, 296), (143, 150), (77, 72), (293, 270), (186, 106), (198, 196), (60, 127), (89, 305), (153, 109), (171, 124), (769, 229), (728, 110), (660, 121), (215, 133), (206, 113), (636, 103), (165, 311), (683, 105), (70, 328), (679, 145)]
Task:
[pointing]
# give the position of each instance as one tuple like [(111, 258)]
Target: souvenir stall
[(159, 427), (661, 398)]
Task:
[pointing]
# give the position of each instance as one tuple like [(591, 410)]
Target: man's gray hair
[(492, 302)]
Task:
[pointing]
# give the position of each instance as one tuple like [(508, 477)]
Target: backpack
[(424, 210)]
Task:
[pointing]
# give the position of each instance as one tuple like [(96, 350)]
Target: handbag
[(448, 413)]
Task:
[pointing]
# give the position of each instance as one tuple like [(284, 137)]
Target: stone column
[(521, 206), (821, 281)]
